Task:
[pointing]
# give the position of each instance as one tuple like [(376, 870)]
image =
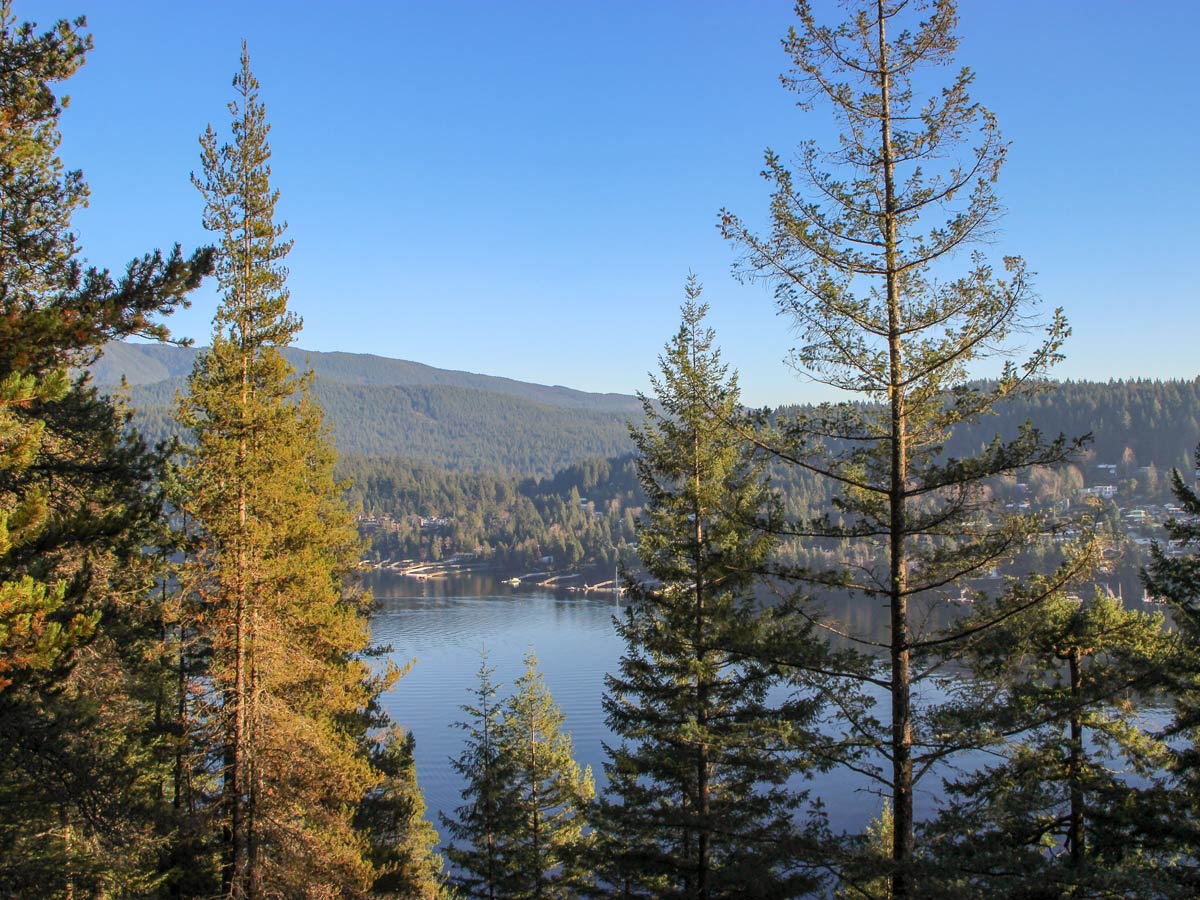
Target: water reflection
[(445, 624)]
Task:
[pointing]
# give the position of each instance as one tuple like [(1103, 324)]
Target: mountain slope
[(145, 364), (388, 407), (481, 423)]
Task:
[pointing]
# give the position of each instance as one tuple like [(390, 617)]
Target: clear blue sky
[(520, 188)]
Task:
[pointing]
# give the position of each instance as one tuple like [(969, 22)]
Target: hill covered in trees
[(391, 407), (461, 421), (422, 507)]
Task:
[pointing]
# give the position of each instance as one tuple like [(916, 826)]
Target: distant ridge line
[(148, 364)]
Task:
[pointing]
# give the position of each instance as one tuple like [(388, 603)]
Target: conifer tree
[(78, 769), (542, 855), (271, 568), (403, 842), (866, 875), (697, 804), (1173, 577), (1061, 685), (860, 253), (480, 827)]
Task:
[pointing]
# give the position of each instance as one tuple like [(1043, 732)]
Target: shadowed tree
[(1173, 577), (1057, 816), (403, 842), (79, 772), (481, 826)]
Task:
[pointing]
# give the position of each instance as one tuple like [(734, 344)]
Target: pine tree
[(31, 638), (78, 766), (543, 852), (275, 547), (481, 826), (1173, 576), (1056, 818), (697, 804), (403, 842), (860, 257)]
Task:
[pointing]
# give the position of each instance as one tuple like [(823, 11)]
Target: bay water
[(444, 626)]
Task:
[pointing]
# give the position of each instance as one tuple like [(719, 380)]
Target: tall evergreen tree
[(1057, 816), (78, 768), (481, 826), (272, 566), (1173, 576), (860, 256), (697, 804), (543, 852)]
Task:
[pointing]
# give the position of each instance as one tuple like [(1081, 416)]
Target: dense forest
[(583, 514), (1139, 431), (191, 704), (476, 423), (449, 426)]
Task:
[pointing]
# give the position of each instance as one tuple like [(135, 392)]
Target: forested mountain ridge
[(146, 364), (481, 423), (1140, 430), (1157, 421), (387, 407)]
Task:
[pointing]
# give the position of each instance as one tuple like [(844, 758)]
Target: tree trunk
[(901, 732), (1076, 839), (698, 644)]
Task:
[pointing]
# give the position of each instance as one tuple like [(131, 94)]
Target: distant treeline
[(430, 508), (447, 426), (1158, 421), (470, 430), (416, 510)]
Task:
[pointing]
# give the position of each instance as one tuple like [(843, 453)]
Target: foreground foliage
[(80, 758)]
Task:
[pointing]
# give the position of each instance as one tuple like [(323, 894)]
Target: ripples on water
[(445, 624)]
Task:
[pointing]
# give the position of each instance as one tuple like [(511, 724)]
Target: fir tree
[(79, 773), (543, 852), (860, 253), (403, 842), (866, 875), (697, 804), (482, 825), (1173, 576), (272, 565), (1060, 685)]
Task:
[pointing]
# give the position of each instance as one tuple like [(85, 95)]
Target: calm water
[(445, 624)]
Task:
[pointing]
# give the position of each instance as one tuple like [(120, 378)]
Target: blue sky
[(521, 188)]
